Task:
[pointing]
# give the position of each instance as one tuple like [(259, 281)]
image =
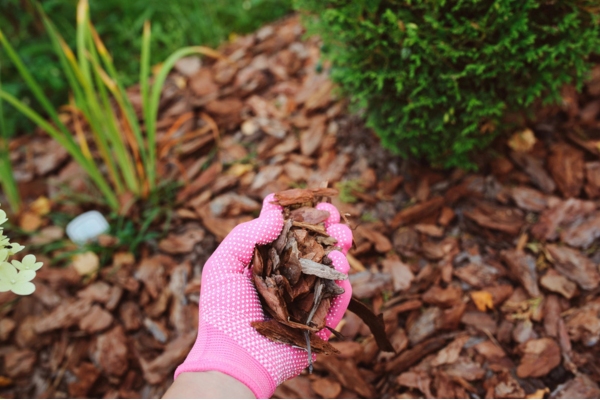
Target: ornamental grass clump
[(438, 78), (115, 148), (15, 275)]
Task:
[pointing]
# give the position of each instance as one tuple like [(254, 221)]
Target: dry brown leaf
[(483, 300), (522, 141), (41, 206), (86, 263), (30, 221)]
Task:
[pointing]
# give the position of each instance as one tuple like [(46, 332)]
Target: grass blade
[(68, 144), (120, 94), (159, 80), (144, 89), (7, 179), (110, 122), (31, 82)]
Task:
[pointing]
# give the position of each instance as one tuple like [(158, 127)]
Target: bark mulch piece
[(487, 282)]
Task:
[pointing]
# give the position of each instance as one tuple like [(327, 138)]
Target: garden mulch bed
[(488, 281)]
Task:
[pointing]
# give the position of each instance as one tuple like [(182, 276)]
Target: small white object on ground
[(87, 226)]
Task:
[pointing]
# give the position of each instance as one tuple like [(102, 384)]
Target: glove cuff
[(215, 351)]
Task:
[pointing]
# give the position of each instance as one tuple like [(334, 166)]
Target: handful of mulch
[(295, 278)]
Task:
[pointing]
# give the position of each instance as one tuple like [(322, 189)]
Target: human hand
[(229, 303)]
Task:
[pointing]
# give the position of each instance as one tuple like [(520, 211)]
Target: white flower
[(28, 263), (3, 218), (4, 240), (14, 281), (15, 248)]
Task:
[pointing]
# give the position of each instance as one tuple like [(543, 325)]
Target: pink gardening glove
[(229, 303)]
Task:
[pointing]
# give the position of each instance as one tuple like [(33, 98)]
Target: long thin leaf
[(110, 122), (31, 82), (69, 145), (144, 89), (7, 179), (80, 88), (82, 20), (159, 81), (91, 105), (120, 94)]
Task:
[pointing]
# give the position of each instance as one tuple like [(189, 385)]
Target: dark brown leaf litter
[(506, 257), (295, 278)]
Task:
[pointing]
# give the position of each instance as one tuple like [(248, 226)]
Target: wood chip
[(110, 352), (557, 283), (574, 266), (159, 368), (417, 212), (535, 169), (582, 234), (592, 176), (540, 356), (96, 320), (326, 388), (565, 212), (566, 164), (183, 243), (402, 275), (522, 266), (310, 267)]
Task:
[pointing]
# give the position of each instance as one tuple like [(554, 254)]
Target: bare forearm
[(207, 385)]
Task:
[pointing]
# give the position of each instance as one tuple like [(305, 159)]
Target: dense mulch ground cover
[(488, 282)]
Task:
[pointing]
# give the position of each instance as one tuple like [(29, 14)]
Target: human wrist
[(216, 351), (206, 385)]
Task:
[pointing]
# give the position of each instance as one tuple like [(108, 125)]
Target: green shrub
[(436, 78)]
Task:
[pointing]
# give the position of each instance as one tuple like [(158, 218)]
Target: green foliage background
[(436, 77), (175, 23)]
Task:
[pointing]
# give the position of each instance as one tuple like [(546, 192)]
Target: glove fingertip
[(339, 261), (338, 308), (269, 205), (343, 234), (269, 226), (334, 214)]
